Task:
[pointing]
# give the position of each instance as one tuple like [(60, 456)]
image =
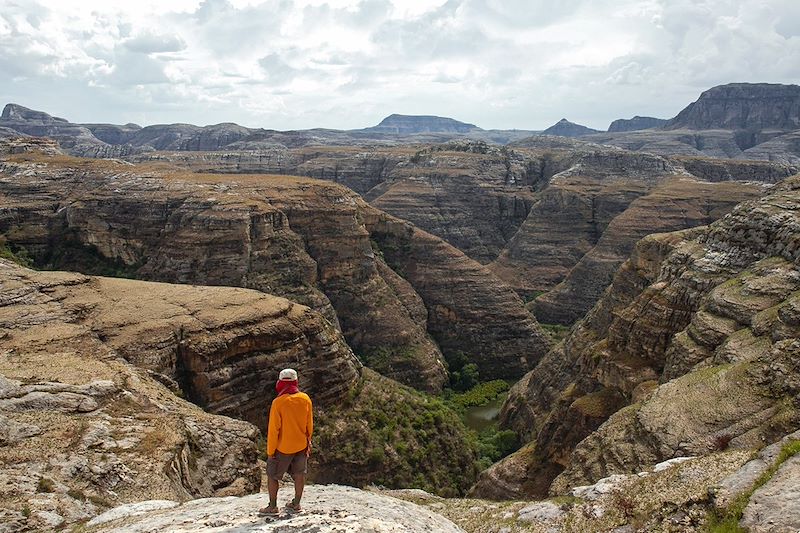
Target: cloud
[(347, 63), (150, 43)]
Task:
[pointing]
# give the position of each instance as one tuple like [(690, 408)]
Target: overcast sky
[(287, 64)]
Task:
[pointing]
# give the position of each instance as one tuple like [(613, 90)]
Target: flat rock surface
[(327, 508), (775, 507)]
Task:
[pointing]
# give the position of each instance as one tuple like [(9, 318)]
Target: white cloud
[(347, 63)]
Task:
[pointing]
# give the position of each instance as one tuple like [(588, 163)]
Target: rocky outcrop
[(217, 234), (774, 507), (711, 309), (471, 195), (565, 128), (636, 123), (114, 133), (40, 124), (83, 429), (742, 106), (783, 149), (468, 193), (410, 124), (716, 170), (331, 508), (671, 496), (677, 142)]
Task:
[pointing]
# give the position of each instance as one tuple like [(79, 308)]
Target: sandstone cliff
[(707, 314), (97, 371), (468, 193), (407, 124), (294, 237), (82, 428), (675, 204), (743, 106), (636, 123)]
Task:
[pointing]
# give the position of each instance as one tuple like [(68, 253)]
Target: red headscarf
[(286, 387)]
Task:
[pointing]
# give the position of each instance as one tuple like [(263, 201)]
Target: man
[(291, 423)]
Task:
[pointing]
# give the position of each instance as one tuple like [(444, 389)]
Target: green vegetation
[(727, 520), (384, 433), (71, 254), (491, 443), (557, 332), (494, 444), (45, 485), (383, 358), (463, 373), (14, 253), (480, 394), (531, 296)]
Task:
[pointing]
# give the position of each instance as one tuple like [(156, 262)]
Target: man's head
[(288, 374), (287, 382)]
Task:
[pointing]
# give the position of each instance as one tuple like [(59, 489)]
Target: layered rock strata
[(743, 106), (294, 237), (83, 429), (636, 123), (675, 204), (691, 320)]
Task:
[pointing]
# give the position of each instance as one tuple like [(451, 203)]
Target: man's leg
[(298, 471), (272, 489), (299, 483), (273, 469)]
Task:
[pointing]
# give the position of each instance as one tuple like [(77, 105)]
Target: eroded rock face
[(486, 322), (586, 221), (712, 310), (774, 507), (41, 124), (636, 123), (743, 106), (299, 238), (82, 428), (673, 205)]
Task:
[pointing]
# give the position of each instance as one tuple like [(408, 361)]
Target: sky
[(296, 64)]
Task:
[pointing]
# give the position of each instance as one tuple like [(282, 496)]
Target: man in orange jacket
[(291, 423)]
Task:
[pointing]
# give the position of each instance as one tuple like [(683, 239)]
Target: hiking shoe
[(270, 510)]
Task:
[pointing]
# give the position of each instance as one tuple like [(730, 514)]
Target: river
[(484, 416)]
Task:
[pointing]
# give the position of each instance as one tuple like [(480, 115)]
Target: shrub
[(45, 485), (480, 394)]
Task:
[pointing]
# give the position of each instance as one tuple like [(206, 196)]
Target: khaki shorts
[(294, 463)]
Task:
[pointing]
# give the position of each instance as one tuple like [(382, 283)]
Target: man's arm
[(309, 426), (273, 430)]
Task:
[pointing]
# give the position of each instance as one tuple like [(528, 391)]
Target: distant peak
[(18, 112), (411, 124), (565, 128)]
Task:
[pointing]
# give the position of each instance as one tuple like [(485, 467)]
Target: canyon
[(154, 281)]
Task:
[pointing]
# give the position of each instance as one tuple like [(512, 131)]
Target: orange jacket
[(291, 423)]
